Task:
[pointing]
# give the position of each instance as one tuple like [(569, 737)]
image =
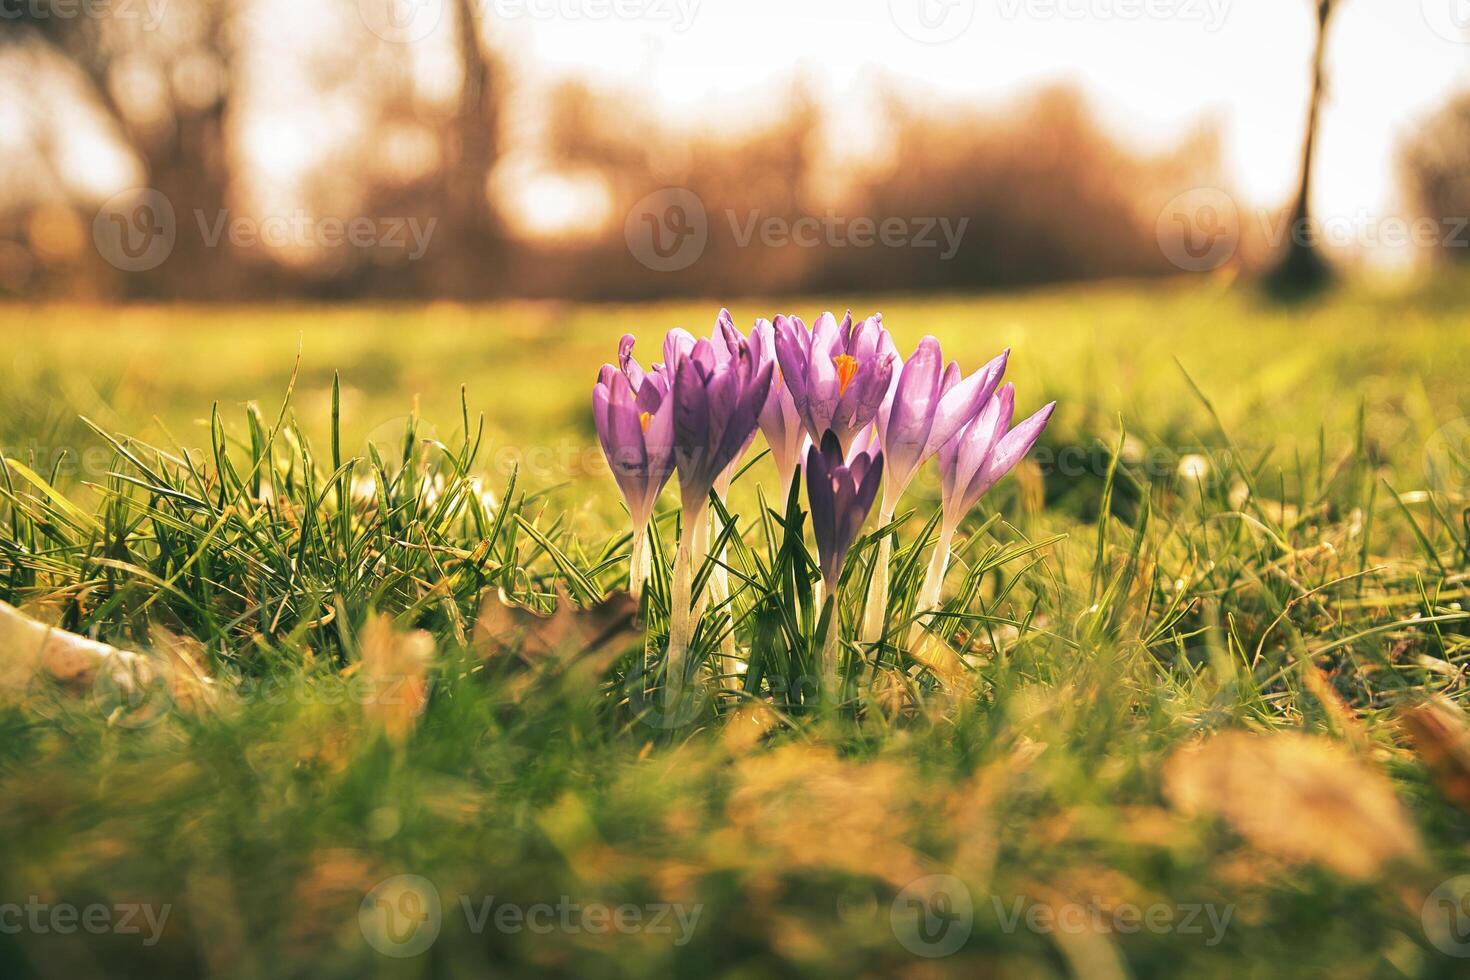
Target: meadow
[(1193, 709)]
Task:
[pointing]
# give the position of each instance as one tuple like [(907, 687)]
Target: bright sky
[(1150, 76)]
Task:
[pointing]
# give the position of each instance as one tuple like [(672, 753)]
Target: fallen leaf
[(1440, 734), (509, 634), (1300, 797), (394, 671)]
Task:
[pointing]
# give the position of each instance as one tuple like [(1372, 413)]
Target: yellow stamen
[(847, 367), (644, 418)]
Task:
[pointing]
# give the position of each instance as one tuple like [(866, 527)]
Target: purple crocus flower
[(717, 399), (717, 402), (838, 376), (982, 452), (985, 450), (635, 423), (634, 416), (840, 493), (930, 404), (778, 419)]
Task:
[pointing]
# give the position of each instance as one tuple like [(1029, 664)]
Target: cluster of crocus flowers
[(868, 420)]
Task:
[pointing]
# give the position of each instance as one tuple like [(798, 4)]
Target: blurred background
[(244, 150)]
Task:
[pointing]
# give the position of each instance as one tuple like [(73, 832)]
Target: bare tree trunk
[(470, 230), (1303, 270)]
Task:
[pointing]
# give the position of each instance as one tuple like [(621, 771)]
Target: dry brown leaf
[(1440, 734), (507, 631), (800, 806), (394, 671), (183, 661), (1299, 797)]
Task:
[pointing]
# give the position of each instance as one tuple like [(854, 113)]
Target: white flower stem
[(827, 661), (640, 563), (719, 585), (930, 593), (875, 606), (682, 615)]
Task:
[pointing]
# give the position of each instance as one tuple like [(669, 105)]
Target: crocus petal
[(964, 399), (867, 477), (791, 355), (627, 363), (866, 441), (726, 331), (691, 408), (840, 496), (658, 443), (1009, 451), (601, 395), (912, 413), (678, 342), (822, 499)]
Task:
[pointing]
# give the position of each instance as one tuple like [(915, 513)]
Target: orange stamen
[(847, 367), (644, 418)]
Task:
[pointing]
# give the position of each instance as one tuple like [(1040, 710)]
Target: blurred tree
[(1303, 270), (1435, 164), (466, 254), (167, 85)]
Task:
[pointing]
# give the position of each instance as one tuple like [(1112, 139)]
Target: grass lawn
[(1174, 722)]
